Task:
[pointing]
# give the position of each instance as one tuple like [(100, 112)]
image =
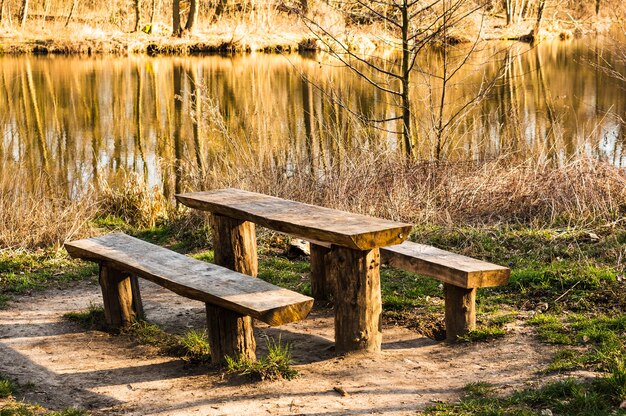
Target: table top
[(331, 226)]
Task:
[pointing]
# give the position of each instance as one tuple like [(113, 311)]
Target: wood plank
[(443, 265), (195, 279), (310, 222)]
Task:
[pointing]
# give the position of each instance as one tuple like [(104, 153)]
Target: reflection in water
[(82, 120)]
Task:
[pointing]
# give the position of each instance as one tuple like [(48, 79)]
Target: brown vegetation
[(72, 26)]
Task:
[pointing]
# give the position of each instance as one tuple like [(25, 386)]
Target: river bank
[(289, 34)]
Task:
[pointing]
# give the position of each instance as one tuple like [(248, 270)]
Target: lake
[(78, 120)]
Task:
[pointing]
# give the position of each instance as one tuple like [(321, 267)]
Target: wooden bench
[(461, 276), (352, 258), (232, 299)]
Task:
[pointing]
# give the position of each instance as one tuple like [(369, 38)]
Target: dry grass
[(582, 192), (40, 214)]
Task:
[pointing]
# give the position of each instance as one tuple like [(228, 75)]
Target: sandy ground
[(108, 374)]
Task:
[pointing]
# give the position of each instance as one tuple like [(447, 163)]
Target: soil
[(110, 374)]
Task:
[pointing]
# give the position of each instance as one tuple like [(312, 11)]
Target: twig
[(567, 291)]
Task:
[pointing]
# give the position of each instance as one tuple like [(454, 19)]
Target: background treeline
[(146, 15)]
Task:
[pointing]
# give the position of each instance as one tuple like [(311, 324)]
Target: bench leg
[(137, 302), (322, 284), (460, 310), (229, 334), (234, 242), (117, 294), (358, 301)]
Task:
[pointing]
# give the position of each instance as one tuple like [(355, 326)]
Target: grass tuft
[(275, 365), (92, 318), (483, 334), (7, 387)]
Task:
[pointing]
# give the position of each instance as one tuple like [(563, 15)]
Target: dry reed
[(580, 193), (40, 214)]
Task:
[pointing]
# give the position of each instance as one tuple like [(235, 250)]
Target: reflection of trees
[(80, 120)]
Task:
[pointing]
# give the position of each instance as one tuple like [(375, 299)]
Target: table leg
[(322, 284), (358, 303), (234, 242)]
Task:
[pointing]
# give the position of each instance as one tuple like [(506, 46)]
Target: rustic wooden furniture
[(353, 252), (461, 276), (232, 299)]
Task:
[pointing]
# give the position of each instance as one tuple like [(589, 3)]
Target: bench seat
[(225, 292), (460, 274)]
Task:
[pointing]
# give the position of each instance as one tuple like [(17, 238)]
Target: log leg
[(234, 242), (229, 334), (460, 310), (322, 285), (137, 302), (117, 294), (358, 300)]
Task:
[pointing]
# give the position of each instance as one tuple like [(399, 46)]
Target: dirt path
[(106, 374)]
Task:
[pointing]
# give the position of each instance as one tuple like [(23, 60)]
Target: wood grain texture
[(460, 310), (117, 297), (448, 267), (309, 222), (322, 284), (194, 279), (358, 300), (234, 242), (229, 334)]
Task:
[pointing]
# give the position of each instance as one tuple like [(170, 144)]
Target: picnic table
[(347, 243)]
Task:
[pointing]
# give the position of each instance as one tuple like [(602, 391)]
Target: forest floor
[(553, 340), (107, 374)]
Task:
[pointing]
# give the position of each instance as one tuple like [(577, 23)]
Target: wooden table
[(345, 251)]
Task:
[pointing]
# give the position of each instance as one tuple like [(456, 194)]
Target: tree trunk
[(406, 74), (193, 14), (2, 10), (24, 14), (152, 15), (542, 5), (72, 10), (176, 29), (137, 15)]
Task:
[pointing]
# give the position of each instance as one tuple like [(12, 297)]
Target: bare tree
[(415, 24), (177, 27), (71, 13), (137, 5), (2, 10), (24, 13)]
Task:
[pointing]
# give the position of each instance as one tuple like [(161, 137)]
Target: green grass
[(192, 345), (275, 365), (13, 407), (567, 397), (600, 340), (22, 272), (282, 272), (92, 318), (483, 334), (7, 387)]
